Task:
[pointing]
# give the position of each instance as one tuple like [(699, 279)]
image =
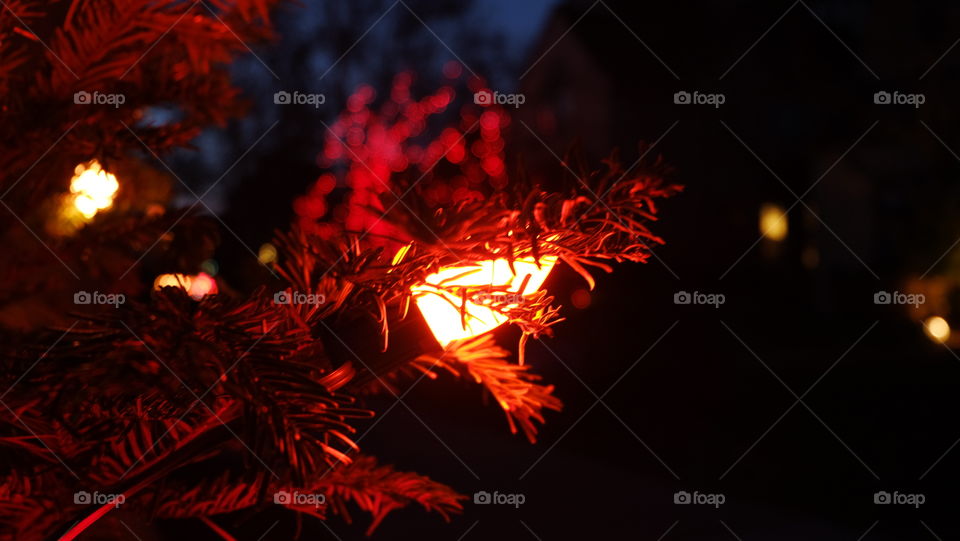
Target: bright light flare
[(93, 189), (441, 309), (937, 328), (773, 222)]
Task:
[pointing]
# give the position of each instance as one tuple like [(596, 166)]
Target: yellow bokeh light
[(937, 328), (93, 189), (773, 222), (268, 253), (86, 205), (441, 309)]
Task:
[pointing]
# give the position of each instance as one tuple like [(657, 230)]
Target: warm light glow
[(268, 253), (172, 280), (937, 328), (203, 284), (197, 285), (580, 298), (773, 222), (441, 309), (93, 189)]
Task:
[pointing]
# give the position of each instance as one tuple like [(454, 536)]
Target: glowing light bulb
[(197, 285), (773, 222), (268, 253), (94, 189), (86, 205), (203, 284), (172, 280), (441, 309), (937, 328)]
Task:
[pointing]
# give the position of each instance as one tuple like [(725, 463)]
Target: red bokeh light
[(369, 146)]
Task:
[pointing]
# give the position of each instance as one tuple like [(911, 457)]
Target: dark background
[(692, 398)]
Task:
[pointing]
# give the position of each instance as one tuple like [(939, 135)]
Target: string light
[(267, 254), (93, 189), (937, 328), (773, 222), (441, 309), (196, 285)]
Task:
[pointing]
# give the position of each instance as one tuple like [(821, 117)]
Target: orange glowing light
[(197, 285), (580, 298), (937, 328), (93, 189), (773, 222), (441, 309)]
